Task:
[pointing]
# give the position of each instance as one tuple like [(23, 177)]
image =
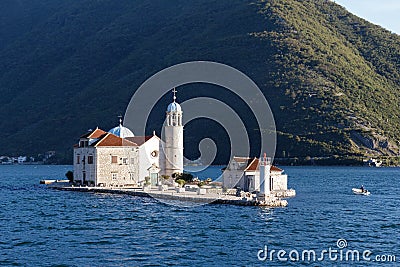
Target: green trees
[(70, 176), (321, 68), (187, 177), (340, 73)]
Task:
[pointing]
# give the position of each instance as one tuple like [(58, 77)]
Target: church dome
[(121, 131), (173, 107)]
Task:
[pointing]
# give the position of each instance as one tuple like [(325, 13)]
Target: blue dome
[(173, 107), (121, 131)]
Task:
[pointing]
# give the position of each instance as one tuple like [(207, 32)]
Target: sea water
[(45, 227)]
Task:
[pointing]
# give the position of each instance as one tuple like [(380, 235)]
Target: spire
[(120, 130), (265, 160), (174, 92), (174, 106), (120, 120)]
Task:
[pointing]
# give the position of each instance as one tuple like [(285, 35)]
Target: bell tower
[(173, 130), (265, 176)]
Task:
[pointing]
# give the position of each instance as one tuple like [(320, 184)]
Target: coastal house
[(21, 159), (49, 154), (6, 160), (249, 174), (118, 158)]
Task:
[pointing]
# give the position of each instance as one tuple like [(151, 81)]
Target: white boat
[(358, 191)]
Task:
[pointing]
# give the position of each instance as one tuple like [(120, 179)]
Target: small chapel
[(253, 174), (118, 158)]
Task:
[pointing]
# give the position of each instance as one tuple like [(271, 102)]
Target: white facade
[(116, 162), (118, 158), (253, 175), (150, 154), (173, 131), (279, 181), (21, 159), (265, 176), (85, 171)]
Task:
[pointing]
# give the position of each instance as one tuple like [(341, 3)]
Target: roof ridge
[(122, 141), (89, 134), (251, 163), (102, 139)]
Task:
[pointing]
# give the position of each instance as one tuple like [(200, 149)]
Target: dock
[(48, 182), (186, 196)]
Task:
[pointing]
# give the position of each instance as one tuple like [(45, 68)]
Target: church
[(118, 158), (253, 174)]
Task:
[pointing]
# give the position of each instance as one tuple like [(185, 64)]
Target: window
[(125, 161), (114, 159), (133, 162), (90, 159), (78, 159), (83, 143), (131, 176), (114, 175)]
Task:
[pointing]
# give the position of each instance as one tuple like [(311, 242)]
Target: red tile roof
[(276, 169), (139, 140), (113, 140), (253, 166), (242, 159), (94, 134)]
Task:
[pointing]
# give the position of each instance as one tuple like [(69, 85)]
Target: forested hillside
[(331, 78)]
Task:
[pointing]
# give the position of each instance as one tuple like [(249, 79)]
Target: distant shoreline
[(356, 161), (386, 161)]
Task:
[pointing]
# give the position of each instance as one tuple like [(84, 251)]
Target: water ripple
[(80, 229)]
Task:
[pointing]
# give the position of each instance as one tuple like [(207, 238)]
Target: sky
[(382, 12)]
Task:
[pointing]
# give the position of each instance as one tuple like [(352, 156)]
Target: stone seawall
[(184, 196)]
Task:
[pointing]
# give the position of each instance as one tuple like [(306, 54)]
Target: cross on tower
[(174, 91)]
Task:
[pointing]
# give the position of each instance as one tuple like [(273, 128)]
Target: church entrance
[(153, 174), (154, 178)]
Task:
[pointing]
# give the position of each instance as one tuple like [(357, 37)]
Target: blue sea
[(45, 227)]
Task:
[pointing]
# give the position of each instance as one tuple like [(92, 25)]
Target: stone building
[(118, 158), (251, 174)]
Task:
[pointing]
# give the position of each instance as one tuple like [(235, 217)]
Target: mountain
[(332, 79)]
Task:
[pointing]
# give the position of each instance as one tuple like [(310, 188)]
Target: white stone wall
[(248, 181), (131, 167), (83, 166), (173, 149), (149, 154), (256, 183), (232, 178), (123, 173), (161, 157), (279, 181), (235, 178), (265, 178)]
